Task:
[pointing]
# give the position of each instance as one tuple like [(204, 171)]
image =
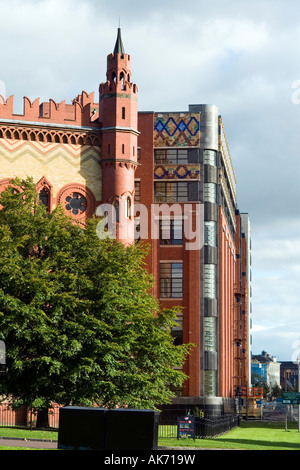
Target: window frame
[(170, 283), (176, 156), (167, 226)]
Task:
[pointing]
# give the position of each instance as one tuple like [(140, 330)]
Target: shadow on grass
[(267, 444), (267, 424)]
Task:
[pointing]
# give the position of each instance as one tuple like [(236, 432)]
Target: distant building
[(267, 367), (289, 376)]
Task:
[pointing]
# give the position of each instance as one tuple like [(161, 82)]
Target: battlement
[(82, 112)]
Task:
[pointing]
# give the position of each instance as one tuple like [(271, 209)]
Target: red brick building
[(166, 178)]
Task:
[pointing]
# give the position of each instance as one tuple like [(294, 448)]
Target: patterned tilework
[(61, 164), (177, 129), (181, 172)]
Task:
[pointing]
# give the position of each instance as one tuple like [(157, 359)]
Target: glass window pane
[(182, 156), (210, 157), (210, 236), (171, 277), (193, 156), (137, 191), (172, 156), (176, 226), (193, 191), (165, 232), (210, 192), (210, 334), (44, 197), (160, 156)]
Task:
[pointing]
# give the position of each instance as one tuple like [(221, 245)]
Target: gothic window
[(122, 80), (116, 211), (128, 207), (45, 198), (44, 190)]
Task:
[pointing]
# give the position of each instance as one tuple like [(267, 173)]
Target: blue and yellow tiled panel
[(176, 129), (180, 172)]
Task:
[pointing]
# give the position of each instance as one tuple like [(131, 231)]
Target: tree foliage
[(76, 313)]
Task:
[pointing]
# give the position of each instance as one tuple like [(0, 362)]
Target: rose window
[(76, 203)]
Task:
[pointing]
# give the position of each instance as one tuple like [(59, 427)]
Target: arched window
[(116, 214), (45, 198), (122, 80), (128, 207), (78, 201), (44, 190)]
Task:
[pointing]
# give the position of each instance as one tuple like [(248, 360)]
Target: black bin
[(131, 429), (81, 428)]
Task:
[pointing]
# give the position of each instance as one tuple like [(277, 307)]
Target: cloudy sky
[(242, 56)]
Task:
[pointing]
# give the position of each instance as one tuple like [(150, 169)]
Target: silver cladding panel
[(209, 125)]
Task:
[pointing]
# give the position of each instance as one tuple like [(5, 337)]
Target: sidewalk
[(32, 443)]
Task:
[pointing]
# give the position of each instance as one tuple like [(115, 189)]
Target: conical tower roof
[(119, 48)]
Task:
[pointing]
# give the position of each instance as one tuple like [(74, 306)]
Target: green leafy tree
[(276, 391), (259, 381), (76, 313)]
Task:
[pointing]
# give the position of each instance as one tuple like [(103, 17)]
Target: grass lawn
[(27, 434), (251, 435)]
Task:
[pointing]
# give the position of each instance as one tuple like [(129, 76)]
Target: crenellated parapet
[(82, 112)]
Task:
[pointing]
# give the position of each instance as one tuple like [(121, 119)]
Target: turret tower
[(118, 116)]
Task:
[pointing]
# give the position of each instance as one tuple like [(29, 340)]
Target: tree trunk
[(42, 420)]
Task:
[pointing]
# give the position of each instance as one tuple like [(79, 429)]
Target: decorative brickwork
[(57, 136), (181, 172), (60, 163), (180, 129)]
